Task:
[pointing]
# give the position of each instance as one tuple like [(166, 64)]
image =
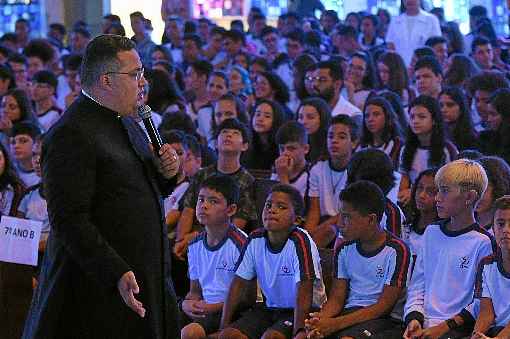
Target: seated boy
[(285, 261), (328, 178), (22, 139), (33, 205), (291, 166), (440, 293), (189, 164), (371, 267), (493, 280), (212, 256), (233, 139)]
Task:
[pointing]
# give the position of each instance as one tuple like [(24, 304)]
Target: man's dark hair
[(46, 77), (218, 30), (346, 120), (291, 131), (202, 67), (430, 63), (27, 128), (58, 27), (236, 125), (373, 18), (195, 38), (137, 14), (435, 40), (174, 136), (6, 52), (295, 197), (373, 165), (224, 184), (479, 41), (10, 37), (23, 20), (112, 18), (365, 197), (335, 69), (259, 16), (101, 57), (332, 14), (423, 52), (39, 48)]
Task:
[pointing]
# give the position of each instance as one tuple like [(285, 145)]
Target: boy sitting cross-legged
[(285, 261), (212, 256), (371, 267)]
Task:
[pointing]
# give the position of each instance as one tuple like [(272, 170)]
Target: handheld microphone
[(144, 112)]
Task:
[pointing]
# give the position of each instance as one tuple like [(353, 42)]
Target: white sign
[(19, 240)]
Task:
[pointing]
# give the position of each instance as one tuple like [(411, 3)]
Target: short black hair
[(291, 131), (335, 69), (173, 136), (296, 35), (46, 77), (346, 120), (224, 184), (9, 36), (430, 63), (235, 35), (27, 128), (479, 41), (234, 124), (58, 27), (488, 81), (268, 30), (41, 49), (202, 67), (373, 165), (435, 40), (346, 31), (365, 197), (423, 52), (82, 31), (73, 62), (193, 37), (295, 197), (218, 30), (18, 59), (478, 11)]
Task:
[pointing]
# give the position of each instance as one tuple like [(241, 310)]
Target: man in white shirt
[(411, 29), (328, 81)]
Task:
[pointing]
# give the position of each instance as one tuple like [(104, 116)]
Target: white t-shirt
[(326, 184), (34, 207), (369, 272), (50, 117), (172, 201), (214, 267), (29, 178), (420, 162), (492, 281), (343, 106), (301, 182), (444, 275), (278, 272)]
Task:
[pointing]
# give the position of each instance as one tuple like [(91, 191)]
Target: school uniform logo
[(224, 266), (379, 272), (464, 263), (285, 270)]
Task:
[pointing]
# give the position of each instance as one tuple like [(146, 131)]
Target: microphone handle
[(154, 136)]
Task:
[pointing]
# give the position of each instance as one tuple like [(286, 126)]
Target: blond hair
[(467, 174)]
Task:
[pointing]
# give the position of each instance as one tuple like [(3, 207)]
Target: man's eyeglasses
[(319, 79), (138, 74)]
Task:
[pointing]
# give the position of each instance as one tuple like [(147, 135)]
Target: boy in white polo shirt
[(493, 280), (371, 267), (212, 256), (328, 178), (440, 294), (285, 261)]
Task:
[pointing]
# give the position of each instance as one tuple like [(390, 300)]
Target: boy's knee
[(193, 331), (272, 334), (231, 333)]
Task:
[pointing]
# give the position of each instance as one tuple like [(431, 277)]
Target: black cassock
[(104, 199)]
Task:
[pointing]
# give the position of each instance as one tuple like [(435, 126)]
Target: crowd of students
[(364, 127)]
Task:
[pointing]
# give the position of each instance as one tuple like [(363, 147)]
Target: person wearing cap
[(43, 91), (106, 269)]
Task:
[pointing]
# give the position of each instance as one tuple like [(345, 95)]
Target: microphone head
[(144, 111)]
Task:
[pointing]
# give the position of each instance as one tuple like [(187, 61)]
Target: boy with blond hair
[(440, 293)]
